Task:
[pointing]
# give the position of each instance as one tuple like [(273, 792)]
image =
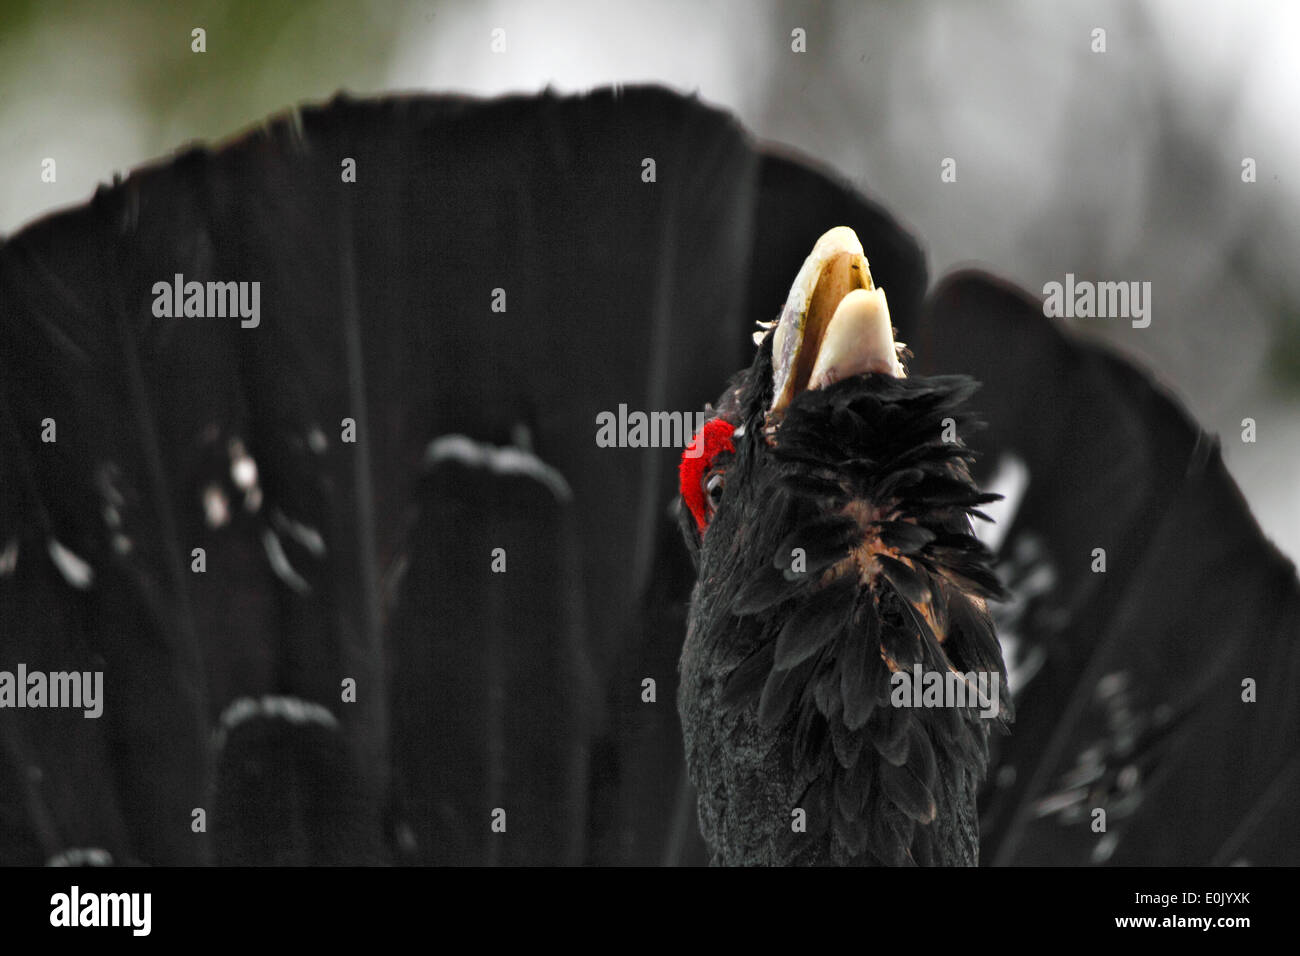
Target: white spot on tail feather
[(294, 710), (74, 569), (81, 856), (280, 563), (305, 535), (501, 461), (216, 506), (243, 472)]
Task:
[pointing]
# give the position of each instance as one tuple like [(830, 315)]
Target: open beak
[(835, 323)]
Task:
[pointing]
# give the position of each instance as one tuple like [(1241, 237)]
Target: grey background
[(1123, 165)]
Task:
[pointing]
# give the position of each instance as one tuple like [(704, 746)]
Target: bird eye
[(714, 488)]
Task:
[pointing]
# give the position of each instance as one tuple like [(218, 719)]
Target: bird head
[(827, 503)]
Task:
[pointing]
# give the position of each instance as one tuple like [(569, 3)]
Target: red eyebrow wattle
[(716, 436)]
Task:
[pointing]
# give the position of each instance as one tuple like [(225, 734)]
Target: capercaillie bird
[(1128, 685), (827, 503)]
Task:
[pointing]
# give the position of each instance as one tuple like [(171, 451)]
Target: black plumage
[(853, 495)]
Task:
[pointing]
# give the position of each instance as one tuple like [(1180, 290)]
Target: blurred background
[(1117, 165)]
